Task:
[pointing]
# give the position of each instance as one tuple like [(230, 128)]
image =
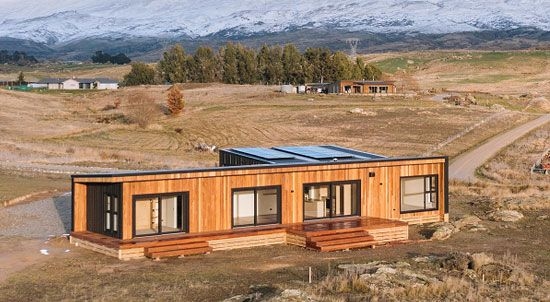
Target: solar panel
[(264, 153), (316, 152)]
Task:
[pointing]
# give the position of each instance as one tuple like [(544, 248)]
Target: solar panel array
[(315, 152), (264, 153)]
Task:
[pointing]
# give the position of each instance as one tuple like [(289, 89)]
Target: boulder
[(443, 232), (456, 261), (469, 220), (505, 215)]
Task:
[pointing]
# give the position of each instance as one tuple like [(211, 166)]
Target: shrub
[(175, 101), (141, 109)]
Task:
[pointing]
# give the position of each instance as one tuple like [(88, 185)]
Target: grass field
[(46, 136)]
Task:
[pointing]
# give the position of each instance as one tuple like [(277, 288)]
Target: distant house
[(362, 87), (76, 84), (105, 83)]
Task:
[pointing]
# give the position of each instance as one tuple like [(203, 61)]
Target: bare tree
[(141, 109)]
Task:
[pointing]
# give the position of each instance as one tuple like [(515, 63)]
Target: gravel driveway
[(37, 219)]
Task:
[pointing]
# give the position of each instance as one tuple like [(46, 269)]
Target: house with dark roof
[(76, 83), (325, 198), (363, 87)]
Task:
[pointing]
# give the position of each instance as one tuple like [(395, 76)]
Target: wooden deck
[(326, 235)]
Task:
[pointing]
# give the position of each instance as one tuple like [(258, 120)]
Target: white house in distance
[(76, 84)]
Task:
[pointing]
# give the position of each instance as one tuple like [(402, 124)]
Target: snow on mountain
[(58, 21)]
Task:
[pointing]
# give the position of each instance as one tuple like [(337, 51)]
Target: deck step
[(336, 236), (180, 252), (346, 246), (174, 249), (171, 247), (344, 241)]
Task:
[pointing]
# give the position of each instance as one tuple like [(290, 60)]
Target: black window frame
[(278, 189), (112, 210), (430, 191), (330, 184), (185, 212)]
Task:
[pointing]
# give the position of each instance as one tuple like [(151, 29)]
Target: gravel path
[(38, 219), (464, 166)]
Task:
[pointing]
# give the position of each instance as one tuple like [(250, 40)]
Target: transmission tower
[(352, 42)]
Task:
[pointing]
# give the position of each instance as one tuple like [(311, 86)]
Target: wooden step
[(362, 238), (336, 236), (171, 247), (180, 252), (340, 247)]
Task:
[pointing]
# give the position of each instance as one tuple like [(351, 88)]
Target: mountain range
[(62, 25)]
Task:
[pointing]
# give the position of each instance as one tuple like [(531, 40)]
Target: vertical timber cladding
[(210, 191), (95, 205)]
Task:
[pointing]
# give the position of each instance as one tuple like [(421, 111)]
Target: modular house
[(363, 87), (326, 198)]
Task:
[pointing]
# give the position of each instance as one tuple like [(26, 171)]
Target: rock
[(469, 220), (505, 215), (470, 99), (244, 298), (203, 147), (293, 293), (542, 217), (443, 232), (480, 259)]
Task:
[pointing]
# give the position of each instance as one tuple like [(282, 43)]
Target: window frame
[(278, 189), (184, 212), (330, 184), (424, 193), (111, 207)]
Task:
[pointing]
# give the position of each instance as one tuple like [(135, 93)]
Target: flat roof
[(302, 154), (248, 167)]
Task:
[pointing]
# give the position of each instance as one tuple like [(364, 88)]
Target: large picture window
[(419, 193), (161, 214), (256, 206), (329, 200)]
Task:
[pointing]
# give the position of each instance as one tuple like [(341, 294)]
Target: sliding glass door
[(330, 200), (161, 214), (256, 206)]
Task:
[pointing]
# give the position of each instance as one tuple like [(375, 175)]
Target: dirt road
[(464, 166)]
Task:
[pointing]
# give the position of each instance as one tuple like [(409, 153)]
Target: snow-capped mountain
[(58, 21)]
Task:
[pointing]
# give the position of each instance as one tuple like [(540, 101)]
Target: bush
[(141, 109)]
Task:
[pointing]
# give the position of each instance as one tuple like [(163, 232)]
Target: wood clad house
[(321, 197), (363, 87)]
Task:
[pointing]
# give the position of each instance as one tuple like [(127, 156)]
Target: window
[(111, 206), (329, 200), (161, 214), (419, 193), (256, 206)]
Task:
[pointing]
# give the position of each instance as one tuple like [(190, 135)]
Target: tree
[(140, 74), (173, 65), (230, 73), (372, 72), (120, 59), (175, 101), (101, 57), (341, 67), (21, 78), (246, 65), (293, 65), (270, 65), (203, 65)]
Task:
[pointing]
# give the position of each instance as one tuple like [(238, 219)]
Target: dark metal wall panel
[(95, 206), (230, 159)]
